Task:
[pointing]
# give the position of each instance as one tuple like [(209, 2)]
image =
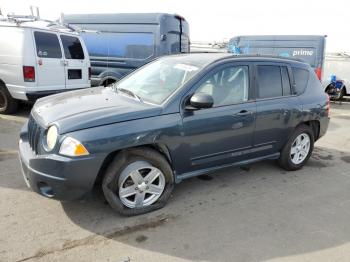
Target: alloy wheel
[(140, 184), (300, 148)]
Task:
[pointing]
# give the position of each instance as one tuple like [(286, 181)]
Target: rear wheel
[(138, 181), (298, 149), (8, 105)]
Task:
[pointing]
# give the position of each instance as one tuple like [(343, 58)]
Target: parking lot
[(255, 213)]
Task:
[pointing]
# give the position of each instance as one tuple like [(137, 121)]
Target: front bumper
[(56, 176)]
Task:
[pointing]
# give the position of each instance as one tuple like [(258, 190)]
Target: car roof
[(208, 58)]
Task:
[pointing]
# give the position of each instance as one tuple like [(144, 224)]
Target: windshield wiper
[(128, 92)]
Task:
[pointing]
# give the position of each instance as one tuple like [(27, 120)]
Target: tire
[(289, 161), (8, 105), (118, 174), (109, 82), (342, 93)]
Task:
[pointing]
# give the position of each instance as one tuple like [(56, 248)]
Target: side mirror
[(201, 100)]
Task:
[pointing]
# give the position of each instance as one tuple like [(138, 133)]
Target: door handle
[(64, 62), (244, 112)]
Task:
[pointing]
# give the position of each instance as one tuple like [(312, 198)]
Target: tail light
[(89, 73), (29, 73), (328, 106), (318, 72)]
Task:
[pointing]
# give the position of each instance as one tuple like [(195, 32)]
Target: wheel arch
[(108, 80), (315, 126), (2, 83), (159, 147), (344, 88)]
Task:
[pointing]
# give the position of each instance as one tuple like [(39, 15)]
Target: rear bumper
[(324, 123), (58, 177)]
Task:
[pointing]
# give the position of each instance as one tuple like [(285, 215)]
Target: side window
[(120, 45), (285, 81), (227, 86), (72, 47), (269, 81), (47, 45), (301, 77)]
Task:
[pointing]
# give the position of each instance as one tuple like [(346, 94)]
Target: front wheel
[(138, 181), (298, 149)]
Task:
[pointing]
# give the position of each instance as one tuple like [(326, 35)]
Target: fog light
[(45, 189)]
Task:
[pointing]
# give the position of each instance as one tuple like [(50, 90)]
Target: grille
[(34, 132)]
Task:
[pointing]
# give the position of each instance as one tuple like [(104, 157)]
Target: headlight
[(51, 137), (72, 147)]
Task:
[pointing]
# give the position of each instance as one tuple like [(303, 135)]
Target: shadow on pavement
[(255, 213)]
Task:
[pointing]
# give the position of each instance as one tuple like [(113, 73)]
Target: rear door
[(50, 66), (277, 107), (76, 64)]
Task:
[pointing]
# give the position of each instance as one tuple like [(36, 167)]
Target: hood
[(90, 107)]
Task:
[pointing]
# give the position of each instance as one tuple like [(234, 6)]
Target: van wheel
[(8, 105), (109, 82), (298, 149), (138, 181)]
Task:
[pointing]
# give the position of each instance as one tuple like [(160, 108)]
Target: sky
[(220, 19)]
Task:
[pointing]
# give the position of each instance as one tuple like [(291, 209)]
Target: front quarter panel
[(161, 130)]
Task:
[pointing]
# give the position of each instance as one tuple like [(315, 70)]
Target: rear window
[(120, 45), (301, 77), (72, 47), (270, 81), (47, 45)]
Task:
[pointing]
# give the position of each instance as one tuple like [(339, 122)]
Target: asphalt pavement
[(256, 213)]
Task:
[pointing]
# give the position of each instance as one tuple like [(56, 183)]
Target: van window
[(227, 86), (270, 81), (120, 45), (285, 81), (301, 77), (47, 45), (72, 47)]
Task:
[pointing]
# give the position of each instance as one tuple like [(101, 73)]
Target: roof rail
[(34, 17)]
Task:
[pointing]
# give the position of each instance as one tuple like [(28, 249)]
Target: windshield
[(156, 81)]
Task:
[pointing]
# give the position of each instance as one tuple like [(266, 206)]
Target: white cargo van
[(39, 58)]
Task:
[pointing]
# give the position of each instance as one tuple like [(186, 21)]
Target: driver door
[(223, 134)]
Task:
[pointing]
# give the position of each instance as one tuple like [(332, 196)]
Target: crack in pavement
[(95, 239)]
